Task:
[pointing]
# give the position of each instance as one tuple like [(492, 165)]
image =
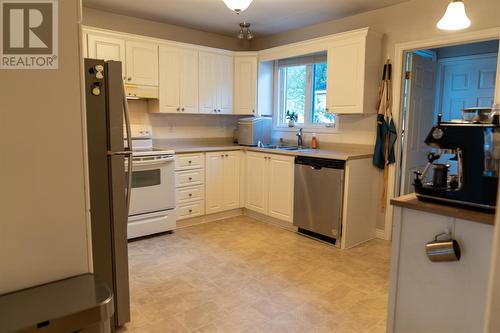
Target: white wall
[(43, 226), (182, 126)]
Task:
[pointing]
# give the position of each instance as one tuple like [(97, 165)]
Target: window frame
[(279, 112)]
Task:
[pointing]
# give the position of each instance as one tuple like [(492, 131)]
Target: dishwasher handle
[(320, 163)]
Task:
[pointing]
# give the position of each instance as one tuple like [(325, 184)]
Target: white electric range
[(152, 199)]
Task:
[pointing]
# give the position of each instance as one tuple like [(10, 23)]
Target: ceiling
[(266, 16)]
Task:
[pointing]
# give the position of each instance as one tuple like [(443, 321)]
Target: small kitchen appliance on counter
[(253, 130), (470, 176)]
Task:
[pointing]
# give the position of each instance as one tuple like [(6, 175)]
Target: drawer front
[(189, 210), (190, 194), (189, 161), (189, 178)]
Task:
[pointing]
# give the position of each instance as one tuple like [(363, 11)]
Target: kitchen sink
[(293, 148)]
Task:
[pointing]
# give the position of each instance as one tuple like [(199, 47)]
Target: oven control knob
[(437, 133)]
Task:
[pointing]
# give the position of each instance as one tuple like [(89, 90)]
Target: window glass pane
[(295, 81), (319, 115)]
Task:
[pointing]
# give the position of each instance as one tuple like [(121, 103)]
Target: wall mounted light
[(455, 17), (237, 5)]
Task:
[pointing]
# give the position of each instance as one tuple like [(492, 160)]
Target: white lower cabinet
[(269, 185), (222, 181)]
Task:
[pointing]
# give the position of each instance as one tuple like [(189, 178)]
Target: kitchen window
[(301, 89)]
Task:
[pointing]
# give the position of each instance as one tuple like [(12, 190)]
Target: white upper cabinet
[(245, 84), (207, 82), (222, 181), (354, 73), (142, 63), (139, 58), (178, 80), (216, 83), (106, 48), (225, 79)]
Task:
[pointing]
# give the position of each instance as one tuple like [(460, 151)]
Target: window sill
[(307, 129)]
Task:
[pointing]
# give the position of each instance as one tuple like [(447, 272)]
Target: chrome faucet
[(299, 138)]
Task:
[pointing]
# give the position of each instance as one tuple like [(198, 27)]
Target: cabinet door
[(231, 183), (281, 177), (142, 63), (245, 77), (189, 81), (169, 88), (207, 82), (345, 77), (214, 180), (256, 197), (225, 78), (106, 48)]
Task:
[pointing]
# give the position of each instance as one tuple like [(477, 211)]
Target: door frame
[(397, 92)]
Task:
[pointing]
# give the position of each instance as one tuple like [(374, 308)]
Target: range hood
[(134, 91)]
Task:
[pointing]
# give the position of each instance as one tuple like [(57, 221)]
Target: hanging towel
[(386, 131)]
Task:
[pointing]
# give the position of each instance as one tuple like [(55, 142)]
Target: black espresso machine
[(470, 175)]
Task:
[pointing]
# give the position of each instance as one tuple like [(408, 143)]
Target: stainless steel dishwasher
[(318, 197)]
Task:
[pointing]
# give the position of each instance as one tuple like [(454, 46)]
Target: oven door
[(153, 184)]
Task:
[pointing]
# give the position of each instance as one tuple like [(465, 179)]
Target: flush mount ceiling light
[(237, 5), (245, 32), (455, 17)]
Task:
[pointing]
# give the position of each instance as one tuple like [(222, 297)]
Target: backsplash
[(182, 126), (352, 129)]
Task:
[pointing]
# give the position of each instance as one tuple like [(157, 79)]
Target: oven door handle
[(152, 162), (126, 115)]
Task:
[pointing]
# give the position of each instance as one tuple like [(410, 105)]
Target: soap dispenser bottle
[(314, 141)]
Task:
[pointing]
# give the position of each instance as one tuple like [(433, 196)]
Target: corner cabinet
[(222, 181), (245, 84), (354, 72), (269, 185), (178, 80)]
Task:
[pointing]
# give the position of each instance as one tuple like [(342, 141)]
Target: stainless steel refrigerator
[(109, 181)]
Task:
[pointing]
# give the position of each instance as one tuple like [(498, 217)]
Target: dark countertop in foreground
[(411, 201), (331, 151)]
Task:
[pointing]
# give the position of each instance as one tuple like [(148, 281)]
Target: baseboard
[(268, 219), (209, 218), (380, 233)]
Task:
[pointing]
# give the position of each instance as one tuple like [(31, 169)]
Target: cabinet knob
[(190, 162), (190, 195), (215, 110), (182, 109), (178, 109), (190, 178), (226, 155), (218, 110), (253, 111), (222, 155), (190, 211), (129, 79)]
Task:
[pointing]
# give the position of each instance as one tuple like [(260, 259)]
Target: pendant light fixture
[(237, 5), (455, 17), (245, 32)]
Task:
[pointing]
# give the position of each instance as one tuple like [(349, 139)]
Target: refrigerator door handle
[(129, 148)]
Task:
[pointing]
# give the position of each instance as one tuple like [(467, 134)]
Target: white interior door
[(419, 116), (467, 82)]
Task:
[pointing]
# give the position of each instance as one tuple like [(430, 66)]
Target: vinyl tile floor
[(242, 275)]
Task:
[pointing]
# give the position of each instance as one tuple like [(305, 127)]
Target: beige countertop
[(411, 201), (331, 151)]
